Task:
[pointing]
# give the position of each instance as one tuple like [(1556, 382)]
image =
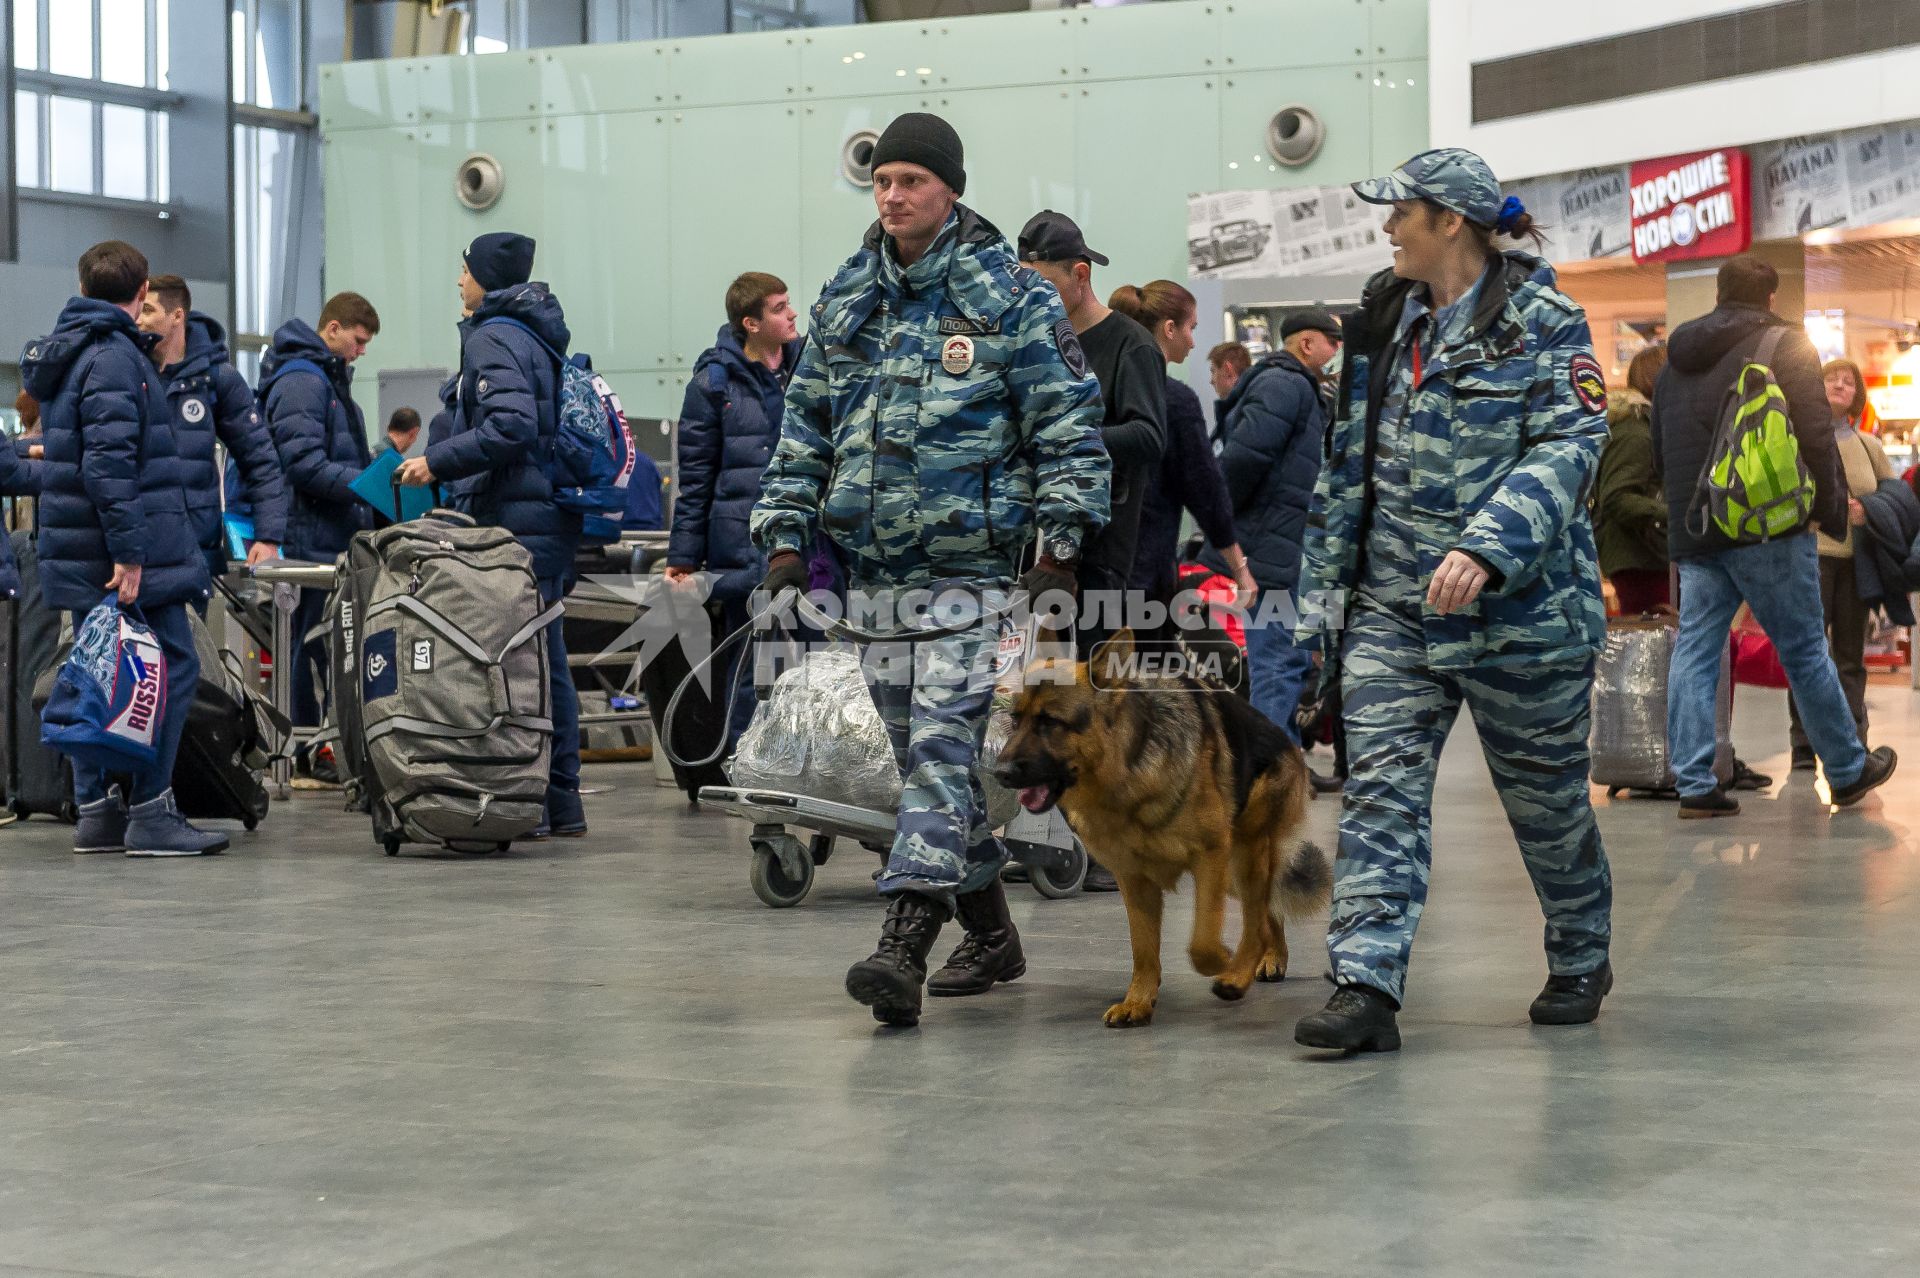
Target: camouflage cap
[(1450, 177)]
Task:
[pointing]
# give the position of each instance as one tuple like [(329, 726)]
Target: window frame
[(45, 85)]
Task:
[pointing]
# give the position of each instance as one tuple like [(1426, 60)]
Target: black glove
[(783, 570), (1049, 574)]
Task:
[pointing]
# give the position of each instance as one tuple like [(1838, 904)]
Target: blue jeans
[(1277, 669), (1780, 581), (311, 677), (564, 769), (175, 633)]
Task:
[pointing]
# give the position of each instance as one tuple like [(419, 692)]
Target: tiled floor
[(608, 1058)]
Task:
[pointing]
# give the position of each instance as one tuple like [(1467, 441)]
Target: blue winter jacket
[(211, 403), (1274, 427), (321, 438), (19, 477), (729, 424), (506, 421), (1189, 479), (110, 487)]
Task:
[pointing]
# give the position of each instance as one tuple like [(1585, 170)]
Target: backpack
[(591, 462), (1755, 486)]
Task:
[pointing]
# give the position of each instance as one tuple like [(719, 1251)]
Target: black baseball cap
[(1310, 320), (1054, 237)]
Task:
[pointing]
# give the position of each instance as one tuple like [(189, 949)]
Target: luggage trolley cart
[(286, 577), (782, 868)]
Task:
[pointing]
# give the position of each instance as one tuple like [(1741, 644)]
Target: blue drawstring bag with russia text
[(110, 694)]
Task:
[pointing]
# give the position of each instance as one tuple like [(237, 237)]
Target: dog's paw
[(1271, 970), (1209, 961), (1126, 1014), (1230, 992)]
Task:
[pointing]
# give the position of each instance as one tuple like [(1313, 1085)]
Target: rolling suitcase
[(230, 736), (38, 779), (699, 723), (441, 692), (1629, 733)]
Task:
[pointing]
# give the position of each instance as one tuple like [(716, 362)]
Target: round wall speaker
[(856, 157), (1294, 135), (478, 181)]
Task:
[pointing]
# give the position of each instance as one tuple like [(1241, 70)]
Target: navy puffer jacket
[(19, 477), (110, 485), (212, 404), (729, 424), (1274, 426), (506, 420), (321, 438)]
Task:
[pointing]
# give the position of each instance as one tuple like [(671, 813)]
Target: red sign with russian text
[(1685, 206)]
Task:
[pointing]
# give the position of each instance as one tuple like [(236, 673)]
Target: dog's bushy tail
[(1305, 884)]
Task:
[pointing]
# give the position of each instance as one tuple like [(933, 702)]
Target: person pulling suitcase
[(506, 421)]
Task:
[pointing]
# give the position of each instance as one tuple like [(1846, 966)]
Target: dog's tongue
[(1033, 798)]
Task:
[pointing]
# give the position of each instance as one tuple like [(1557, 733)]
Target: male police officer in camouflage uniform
[(1450, 526), (941, 414)]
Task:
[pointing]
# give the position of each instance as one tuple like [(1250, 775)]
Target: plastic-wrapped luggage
[(1629, 742), (818, 734)]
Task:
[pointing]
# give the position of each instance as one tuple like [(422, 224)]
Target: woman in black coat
[(1189, 477)]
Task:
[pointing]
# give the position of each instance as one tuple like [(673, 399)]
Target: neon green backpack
[(1754, 486)]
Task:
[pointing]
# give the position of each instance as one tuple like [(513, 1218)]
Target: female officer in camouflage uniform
[(1451, 560)]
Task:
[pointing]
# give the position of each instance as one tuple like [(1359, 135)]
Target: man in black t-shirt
[(1133, 386)]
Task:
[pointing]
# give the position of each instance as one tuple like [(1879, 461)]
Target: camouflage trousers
[(934, 695), (1532, 722)]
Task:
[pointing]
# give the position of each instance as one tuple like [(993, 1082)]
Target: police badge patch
[(1589, 384), (1070, 348)]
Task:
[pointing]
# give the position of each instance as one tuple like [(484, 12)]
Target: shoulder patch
[(1070, 349), (1589, 384)]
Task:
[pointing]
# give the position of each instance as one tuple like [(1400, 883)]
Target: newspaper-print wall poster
[(1325, 230), (1799, 186), (1584, 214), (1883, 173)]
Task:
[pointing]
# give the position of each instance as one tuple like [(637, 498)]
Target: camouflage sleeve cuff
[(1502, 567), (779, 539)]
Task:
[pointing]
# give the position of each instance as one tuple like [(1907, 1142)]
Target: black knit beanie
[(926, 140)]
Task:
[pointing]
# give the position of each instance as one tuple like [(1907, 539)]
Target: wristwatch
[(1060, 548)]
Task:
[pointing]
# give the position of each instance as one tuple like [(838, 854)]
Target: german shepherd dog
[(1162, 776)]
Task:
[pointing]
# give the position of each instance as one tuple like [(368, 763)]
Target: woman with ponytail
[(1189, 478), (1451, 563)]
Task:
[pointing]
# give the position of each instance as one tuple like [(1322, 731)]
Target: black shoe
[(989, 953), (1099, 878), (889, 980), (1357, 1018), (1880, 765), (1714, 803), (1016, 873), (1572, 1000), (1332, 783), (1804, 759), (1745, 778)]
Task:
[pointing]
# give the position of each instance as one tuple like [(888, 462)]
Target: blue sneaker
[(156, 828), (103, 825), (566, 815)]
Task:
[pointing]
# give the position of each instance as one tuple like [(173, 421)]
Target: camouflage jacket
[(1505, 430), (940, 415)]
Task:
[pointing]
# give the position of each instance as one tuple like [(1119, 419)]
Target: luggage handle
[(394, 480)]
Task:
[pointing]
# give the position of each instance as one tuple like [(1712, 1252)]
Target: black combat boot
[(1572, 1000), (990, 951), (1358, 1018), (889, 979)]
